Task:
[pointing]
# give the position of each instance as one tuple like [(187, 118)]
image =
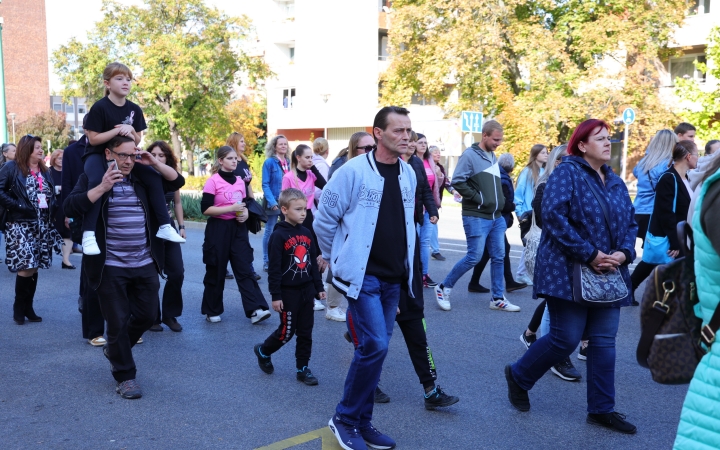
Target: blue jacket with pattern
[(574, 226)]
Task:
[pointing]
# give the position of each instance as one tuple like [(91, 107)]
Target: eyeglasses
[(368, 148), (122, 156)]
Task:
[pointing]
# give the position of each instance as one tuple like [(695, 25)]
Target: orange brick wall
[(25, 51)]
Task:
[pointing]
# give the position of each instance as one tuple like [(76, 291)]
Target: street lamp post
[(12, 117)]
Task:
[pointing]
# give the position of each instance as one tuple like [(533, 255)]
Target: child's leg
[(95, 168), (292, 299), (156, 194), (305, 319)]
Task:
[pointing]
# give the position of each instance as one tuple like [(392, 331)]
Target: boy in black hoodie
[(294, 282)]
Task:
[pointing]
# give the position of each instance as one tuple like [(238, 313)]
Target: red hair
[(582, 133)]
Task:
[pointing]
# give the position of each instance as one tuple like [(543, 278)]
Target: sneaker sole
[(514, 288), (609, 426), (336, 319), (265, 317), (378, 447), (335, 433), (561, 376), (311, 383), (128, 397), (495, 308), (444, 405)]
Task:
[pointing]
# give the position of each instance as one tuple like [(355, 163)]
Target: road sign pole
[(624, 153)]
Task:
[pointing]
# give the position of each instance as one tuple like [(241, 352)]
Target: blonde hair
[(353, 144), (289, 195), (234, 141), (320, 146), (659, 150), (113, 69), (534, 170), (221, 153), (55, 156), (272, 143)]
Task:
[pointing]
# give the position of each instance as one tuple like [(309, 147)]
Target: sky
[(64, 22)]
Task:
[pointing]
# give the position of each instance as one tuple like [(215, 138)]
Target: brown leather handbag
[(670, 343)]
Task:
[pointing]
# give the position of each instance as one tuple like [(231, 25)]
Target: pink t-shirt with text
[(225, 193), (290, 180), (429, 172)]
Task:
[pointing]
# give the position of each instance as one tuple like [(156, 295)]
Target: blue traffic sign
[(628, 116), (471, 121)]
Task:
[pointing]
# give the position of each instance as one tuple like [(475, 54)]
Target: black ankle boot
[(29, 311)]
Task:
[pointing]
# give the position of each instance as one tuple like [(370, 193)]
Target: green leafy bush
[(191, 206)]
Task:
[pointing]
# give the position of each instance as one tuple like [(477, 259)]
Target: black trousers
[(172, 299), (414, 332), (296, 319), (537, 317), (93, 324), (480, 266), (95, 168), (643, 221), (227, 240), (129, 303)]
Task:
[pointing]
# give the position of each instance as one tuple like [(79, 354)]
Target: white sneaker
[(524, 279), (97, 342), (259, 315), (89, 246), (336, 314), (442, 295), (318, 306), (169, 234), (503, 305), (213, 319)]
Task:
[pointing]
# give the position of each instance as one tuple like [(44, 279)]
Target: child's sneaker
[(306, 376), (169, 234), (89, 245), (264, 362), (437, 398)]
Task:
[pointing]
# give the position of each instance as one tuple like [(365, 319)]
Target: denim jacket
[(646, 184), (345, 220), (574, 227), (272, 175), (525, 191)]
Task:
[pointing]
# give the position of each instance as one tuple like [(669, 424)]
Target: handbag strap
[(654, 319), (600, 200)]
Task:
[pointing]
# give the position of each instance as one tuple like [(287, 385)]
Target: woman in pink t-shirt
[(226, 239), (304, 176)]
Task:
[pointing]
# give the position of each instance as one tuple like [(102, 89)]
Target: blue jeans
[(269, 227), (569, 323), (424, 231), (370, 322), (478, 233), (434, 243)]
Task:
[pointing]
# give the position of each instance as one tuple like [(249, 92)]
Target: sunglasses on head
[(368, 148)]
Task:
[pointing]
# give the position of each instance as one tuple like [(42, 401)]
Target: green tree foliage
[(49, 125), (539, 66), (705, 110), (186, 58)]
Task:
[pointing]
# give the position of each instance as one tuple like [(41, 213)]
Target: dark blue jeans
[(569, 323), (370, 322)]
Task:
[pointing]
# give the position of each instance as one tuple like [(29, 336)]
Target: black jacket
[(336, 164), (663, 221), (292, 259), (77, 204), (14, 196), (423, 193), (72, 168), (509, 192)]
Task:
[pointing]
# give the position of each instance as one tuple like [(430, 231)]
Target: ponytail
[(299, 150), (681, 150), (220, 153)]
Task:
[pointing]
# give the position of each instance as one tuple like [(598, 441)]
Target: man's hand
[(125, 130), (277, 305), (434, 220), (182, 233), (457, 197), (112, 176), (322, 264)]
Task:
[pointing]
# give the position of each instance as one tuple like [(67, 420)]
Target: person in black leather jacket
[(27, 195)]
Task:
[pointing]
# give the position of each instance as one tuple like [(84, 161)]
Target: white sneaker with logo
[(169, 234), (442, 296), (503, 305), (259, 315), (336, 314)]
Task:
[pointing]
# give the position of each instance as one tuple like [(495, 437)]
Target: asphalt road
[(203, 389)]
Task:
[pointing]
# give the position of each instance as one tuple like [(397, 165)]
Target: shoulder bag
[(671, 334), (655, 248), (592, 289)]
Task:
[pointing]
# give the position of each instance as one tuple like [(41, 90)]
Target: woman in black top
[(61, 225), (172, 299), (672, 201), (27, 193)]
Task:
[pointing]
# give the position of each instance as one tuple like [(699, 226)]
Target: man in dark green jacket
[(477, 179)]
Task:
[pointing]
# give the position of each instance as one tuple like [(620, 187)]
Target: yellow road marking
[(329, 442)]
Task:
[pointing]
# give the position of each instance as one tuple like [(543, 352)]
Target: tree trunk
[(190, 162)]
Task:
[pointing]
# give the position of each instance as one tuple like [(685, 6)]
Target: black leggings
[(537, 317), (172, 299), (95, 168)]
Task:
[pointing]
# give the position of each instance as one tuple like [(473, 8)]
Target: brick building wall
[(25, 51)]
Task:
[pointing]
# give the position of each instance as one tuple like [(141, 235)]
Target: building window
[(383, 47), (70, 109), (696, 7), (288, 98), (292, 55), (418, 99), (81, 109), (57, 107), (685, 68), (384, 4)]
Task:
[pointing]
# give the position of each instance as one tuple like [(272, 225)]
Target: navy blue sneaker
[(348, 436), (375, 439), (264, 362)]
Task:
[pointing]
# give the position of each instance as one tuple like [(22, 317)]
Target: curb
[(191, 224)]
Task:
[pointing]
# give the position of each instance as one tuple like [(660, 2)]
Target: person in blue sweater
[(575, 229), (276, 165)]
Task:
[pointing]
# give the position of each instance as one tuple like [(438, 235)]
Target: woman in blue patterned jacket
[(575, 229)]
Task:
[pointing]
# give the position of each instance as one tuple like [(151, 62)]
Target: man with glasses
[(365, 228), (125, 273)]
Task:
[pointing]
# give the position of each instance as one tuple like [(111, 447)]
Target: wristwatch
[(182, 227)]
